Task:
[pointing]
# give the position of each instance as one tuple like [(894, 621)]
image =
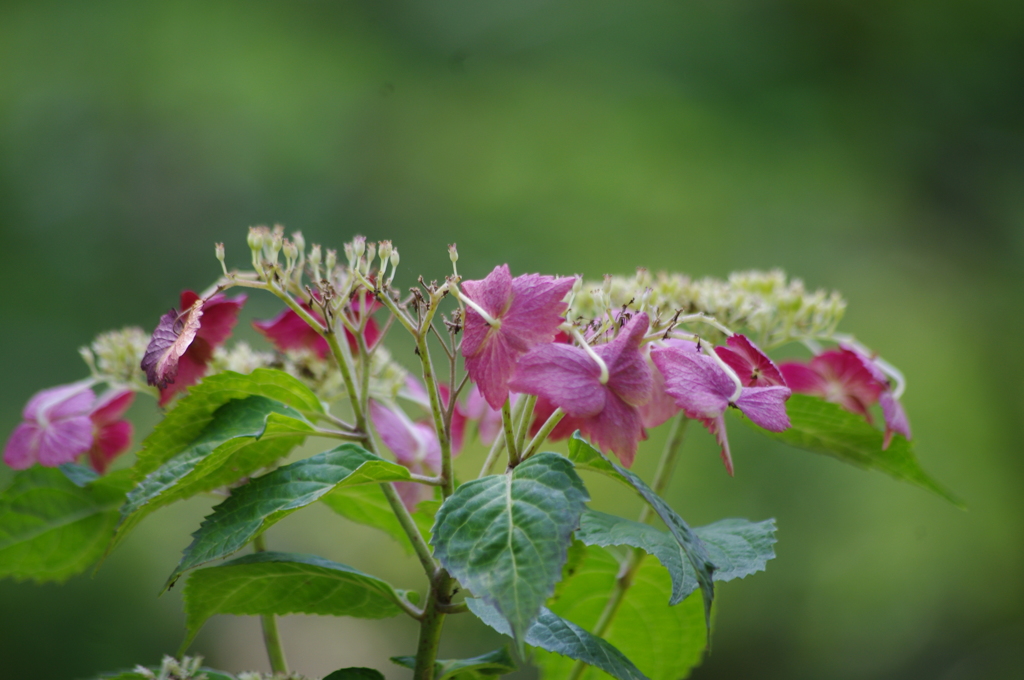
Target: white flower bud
[(299, 240), (291, 251), (331, 261), (255, 238), (453, 253), (394, 259), (359, 246), (314, 255), (384, 249)]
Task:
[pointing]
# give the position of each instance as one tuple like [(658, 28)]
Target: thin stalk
[(492, 456), (437, 411), (543, 432), (510, 435), (523, 421), (636, 557), (271, 636), (344, 361)]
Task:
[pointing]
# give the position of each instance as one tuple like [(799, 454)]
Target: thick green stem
[(431, 625), (636, 557), (271, 636), (510, 435)]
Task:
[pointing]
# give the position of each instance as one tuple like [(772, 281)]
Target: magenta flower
[(753, 366), (606, 412), (853, 380), (704, 391), (111, 434), (415, 446), (183, 342), (288, 331), (62, 423), (527, 311)]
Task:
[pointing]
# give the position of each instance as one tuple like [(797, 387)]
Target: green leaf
[(823, 427), (195, 411), (51, 528), (552, 633), (79, 475), (505, 536), (243, 436), (285, 583), (355, 673), (367, 505), (664, 641), (254, 507), (587, 457), (498, 662), (737, 547)]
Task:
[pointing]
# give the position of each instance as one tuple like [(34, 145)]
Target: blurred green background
[(872, 147)]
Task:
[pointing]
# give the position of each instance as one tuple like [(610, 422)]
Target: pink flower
[(568, 377), (287, 331), (62, 423), (528, 310), (415, 446), (753, 366), (853, 380), (183, 342), (704, 391), (111, 434)]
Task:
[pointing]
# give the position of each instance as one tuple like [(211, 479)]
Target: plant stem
[(271, 637), (437, 411), (431, 625), (549, 425), (510, 435), (636, 557)]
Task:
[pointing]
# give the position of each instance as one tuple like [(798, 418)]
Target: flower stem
[(636, 557), (542, 434), (510, 435), (271, 636), (431, 625)]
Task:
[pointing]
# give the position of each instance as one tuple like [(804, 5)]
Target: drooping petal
[(492, 367), (58, 402), (111, 440), (618, 428), (716, 426), (895, 418), (220, 314), (171, 338), (23, 446), (64, 440), (564, 375), (752, 365), (662, 405), (766, 406), (397, 432), (536, 309), (542, 410), (699, 385), (803, 379)]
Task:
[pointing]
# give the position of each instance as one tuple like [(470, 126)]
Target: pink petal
[(716, 426), (565, 375), (803, 379), (288, 331), (849, 381), (189, 373), (170, 340), (64, 441), (662, 405), (23, 446), (617, 429), (766, 406), (493, 293), (413, 493), (542, 411), (752, 365), (536, 309), (220, 314), (895, 418), (111, 407), (111, 441), (60, 402), (492, 367), (414, 444), (629, 375), (699, 385)]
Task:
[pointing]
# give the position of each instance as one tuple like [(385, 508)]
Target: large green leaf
[(366, 504), (664, 641), (552, 633), (505, 536), (737, 547), (52, 528), (496, 663), (257, 505), (191, 415), (587, 457), (243, 436), (285, 583), (823, 427)]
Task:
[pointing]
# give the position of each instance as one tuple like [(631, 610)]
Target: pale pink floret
[(529, 309), (704, 391), (569, 378), (56, 428), (415, 446)]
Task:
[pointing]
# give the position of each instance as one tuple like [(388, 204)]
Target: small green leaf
[(367, 505), (355, 674), (254, 507), (823, 427), (79, 475), (285, 583), (498, 662), (52, 528), (737, 547), (664, 641), (243, 436), (193, 413), (505, 536), (587, 457), (552, 633)]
